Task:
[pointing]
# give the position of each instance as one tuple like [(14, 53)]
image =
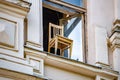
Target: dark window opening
[(53, 17), (74, 26), (72, 29)]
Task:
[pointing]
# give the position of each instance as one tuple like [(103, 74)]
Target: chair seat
[(63, 42)]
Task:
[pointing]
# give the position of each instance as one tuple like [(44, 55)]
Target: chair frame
[(59, 41)]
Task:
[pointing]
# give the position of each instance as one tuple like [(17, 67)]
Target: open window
[(72, 17)]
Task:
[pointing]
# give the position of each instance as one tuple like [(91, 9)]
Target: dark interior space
[(49, 16)]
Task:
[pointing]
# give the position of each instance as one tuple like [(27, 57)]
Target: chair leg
[(62, 52), (48, 48), (56, 45), (70, 53), (70, 50)]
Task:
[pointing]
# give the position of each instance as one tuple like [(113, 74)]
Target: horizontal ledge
[(15, 5)]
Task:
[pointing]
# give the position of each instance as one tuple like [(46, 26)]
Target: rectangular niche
[(7, 33), (37, 64)]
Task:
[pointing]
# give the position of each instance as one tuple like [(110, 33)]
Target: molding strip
[(79, 9)]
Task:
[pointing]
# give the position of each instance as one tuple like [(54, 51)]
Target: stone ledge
[(21, 3), (18, 75), (63, 63), (9, 7), (19, 67)]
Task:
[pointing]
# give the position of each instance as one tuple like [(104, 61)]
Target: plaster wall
[(100, 14), (54, 73), (101, 44)]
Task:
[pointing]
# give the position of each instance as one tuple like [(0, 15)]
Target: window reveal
[(73, 28)]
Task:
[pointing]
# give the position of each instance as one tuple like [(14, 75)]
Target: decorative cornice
[(116, 26), (33, 44), (20, 3), (117, 21), (63, 63), (114, 40), (14, 7)]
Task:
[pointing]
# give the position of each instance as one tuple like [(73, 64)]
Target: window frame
[(79, 9), (83, 12)]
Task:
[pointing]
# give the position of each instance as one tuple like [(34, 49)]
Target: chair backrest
[(55, 30)]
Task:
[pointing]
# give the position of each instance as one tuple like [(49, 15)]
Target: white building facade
[(24, 40)]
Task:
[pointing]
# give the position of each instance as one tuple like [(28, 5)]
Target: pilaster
[(101, 49), (12, 15), (35, 31), (117, 9), (115, 45), (115, 37)]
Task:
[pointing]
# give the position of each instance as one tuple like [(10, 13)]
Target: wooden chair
[(58, 41)]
